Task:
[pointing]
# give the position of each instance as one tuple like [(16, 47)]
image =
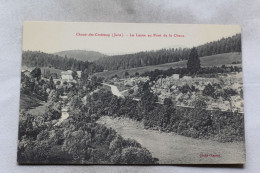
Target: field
[(214, 60), (172, 148)]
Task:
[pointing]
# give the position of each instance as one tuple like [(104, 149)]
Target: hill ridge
[(82, 55)]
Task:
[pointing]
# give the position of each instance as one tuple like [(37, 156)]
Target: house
[(215, 105), (66, 76), (26, 73), (129, 82), (187, 77), (79, 74), (175, 76)]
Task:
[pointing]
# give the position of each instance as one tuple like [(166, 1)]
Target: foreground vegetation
[(78, 139)]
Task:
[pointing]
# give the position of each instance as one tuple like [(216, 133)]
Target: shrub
[(133, 155)]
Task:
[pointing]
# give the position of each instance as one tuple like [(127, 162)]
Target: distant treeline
[(146, 58), (40, 59)]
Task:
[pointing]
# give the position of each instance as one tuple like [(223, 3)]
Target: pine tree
[(36, 73), (193, 64)]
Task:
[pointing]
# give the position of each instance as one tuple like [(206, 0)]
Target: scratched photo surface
[(124, 93)]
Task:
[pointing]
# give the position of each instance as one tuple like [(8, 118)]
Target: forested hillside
[(81, 55), (40, 59), (147, 58)]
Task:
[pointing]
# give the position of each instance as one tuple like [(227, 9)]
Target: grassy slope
[(220, 59), (214, 60), (170, 148), (27, 101), (41, 109)]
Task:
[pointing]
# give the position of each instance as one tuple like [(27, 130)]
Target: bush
[(134, 155)]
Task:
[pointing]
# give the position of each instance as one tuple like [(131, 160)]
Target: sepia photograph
[(131, 94)]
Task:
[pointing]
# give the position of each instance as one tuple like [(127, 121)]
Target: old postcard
[(124, 93)]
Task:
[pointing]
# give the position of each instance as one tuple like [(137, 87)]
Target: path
[(114, 90)]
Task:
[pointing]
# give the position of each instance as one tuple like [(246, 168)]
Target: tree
[(168, 102), (208, 90), (74, 74), (135, 155), (193, 64), (199, 103), (126, 74), (36, 73), (85, 75), (52, 85)]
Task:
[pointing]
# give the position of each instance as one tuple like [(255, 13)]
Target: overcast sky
[(51, 37)]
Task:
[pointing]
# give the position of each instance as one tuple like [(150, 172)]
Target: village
[(185, 91)]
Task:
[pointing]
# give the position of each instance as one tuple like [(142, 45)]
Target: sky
[(52, 37)]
